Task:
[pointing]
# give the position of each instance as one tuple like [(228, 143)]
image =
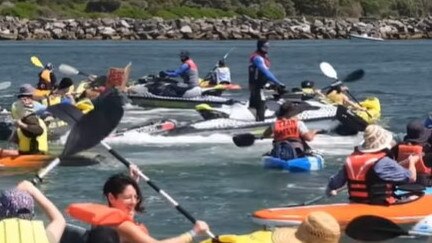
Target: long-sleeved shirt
[(259, 62)]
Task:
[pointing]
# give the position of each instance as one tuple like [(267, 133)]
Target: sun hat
[(25, 90), (16, 204), (291, 109), (317, 227), (375, 138), (417, 132)]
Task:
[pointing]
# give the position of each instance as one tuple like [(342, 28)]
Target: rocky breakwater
[(12, 28)]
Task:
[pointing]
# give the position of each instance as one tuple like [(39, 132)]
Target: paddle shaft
[(217, 63), (354, 98), (44, 171), (155, 187)]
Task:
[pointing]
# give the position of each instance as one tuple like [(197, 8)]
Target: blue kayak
[(304, 164)]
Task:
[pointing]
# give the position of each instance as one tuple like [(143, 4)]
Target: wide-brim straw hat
[(316, 227), (375, 138)]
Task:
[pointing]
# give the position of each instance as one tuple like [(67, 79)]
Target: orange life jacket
[(100, 215), (286, 129), (405, 150), (364, 186)]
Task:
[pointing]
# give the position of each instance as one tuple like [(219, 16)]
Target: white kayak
[(365, 37)]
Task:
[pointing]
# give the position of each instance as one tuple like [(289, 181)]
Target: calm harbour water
[(209, 176)]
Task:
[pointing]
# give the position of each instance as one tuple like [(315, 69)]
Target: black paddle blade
[(244, 140), (373, 228), (66, 112), (95, 125), (354, 76)]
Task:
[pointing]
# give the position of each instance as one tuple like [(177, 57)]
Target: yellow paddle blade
[(35, 60)]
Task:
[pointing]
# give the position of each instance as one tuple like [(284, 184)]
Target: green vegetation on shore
[(173, 9)]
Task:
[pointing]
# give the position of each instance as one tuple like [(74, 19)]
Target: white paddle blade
[(68, 70), (5, 85), (328, 70)]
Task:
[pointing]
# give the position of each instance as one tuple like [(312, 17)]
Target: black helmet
[(261, 43), (307, 84), (184, 54)]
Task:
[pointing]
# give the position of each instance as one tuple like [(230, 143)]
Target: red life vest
[(100, 215), (191, 64), (405, 150), (362, 187), (257, 79), (266, 59), (286, 129)]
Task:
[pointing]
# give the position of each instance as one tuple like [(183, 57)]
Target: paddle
[(315, 199), (89, 130), (72, 115), (5, 85), (35, 60), (69, 70), (208, 75)]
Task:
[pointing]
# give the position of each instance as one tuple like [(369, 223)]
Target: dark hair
[(116, 185), (103, 234), (338, 89), (221, 63), (260, 43)]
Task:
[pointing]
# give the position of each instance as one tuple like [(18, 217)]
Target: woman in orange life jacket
[(289, 132), (122, 192), (417, 141), (371, 172)]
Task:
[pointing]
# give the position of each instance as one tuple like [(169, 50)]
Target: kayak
[(25, 161), (226, 86), (365, 37), (304, 164), (405, 213), (140, 97)]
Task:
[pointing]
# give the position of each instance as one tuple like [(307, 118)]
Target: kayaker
[(307, 87), (47, 78), (317, 227), (221, 75), (31, 135), (124, 198), (337, 96), (61, 94), (25, 103), (417, 142), (17, 214), (371, 172), (188, 71), (259, 75), (290, 134)]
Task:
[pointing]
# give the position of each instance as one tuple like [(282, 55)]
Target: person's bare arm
[(57, 222)]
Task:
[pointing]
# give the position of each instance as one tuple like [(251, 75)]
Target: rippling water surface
[(209, 176)]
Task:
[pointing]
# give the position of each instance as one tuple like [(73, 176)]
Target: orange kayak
[(406, 213), (24, 161)]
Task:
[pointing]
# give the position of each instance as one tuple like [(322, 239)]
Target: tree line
[(171, 9)]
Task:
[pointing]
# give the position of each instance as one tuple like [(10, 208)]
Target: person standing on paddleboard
[(188, 71), (259, 75), (371, 172)]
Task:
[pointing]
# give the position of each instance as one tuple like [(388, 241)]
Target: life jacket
[(191, 77), (85, 105), (286, 129), (364, 186), (100, 215), (51, 100), (308, 91), (405, 150), (38, 145), (336, 98), (14, 230), (257, 79), (45, 80)]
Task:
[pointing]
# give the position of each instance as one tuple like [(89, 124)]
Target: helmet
[(184, 54), (262, 45), (307, 84), (49, 66)]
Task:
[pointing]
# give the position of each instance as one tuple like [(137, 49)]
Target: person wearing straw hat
[(417, 141), (289, 132), (317, 227), (371, 172), (17, 213)]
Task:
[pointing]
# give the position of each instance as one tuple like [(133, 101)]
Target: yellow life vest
[(308, 91), (85, 105), (46, 75), (51, 100), (336, 98), (81, 88), (25, 143), (22, 231)]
